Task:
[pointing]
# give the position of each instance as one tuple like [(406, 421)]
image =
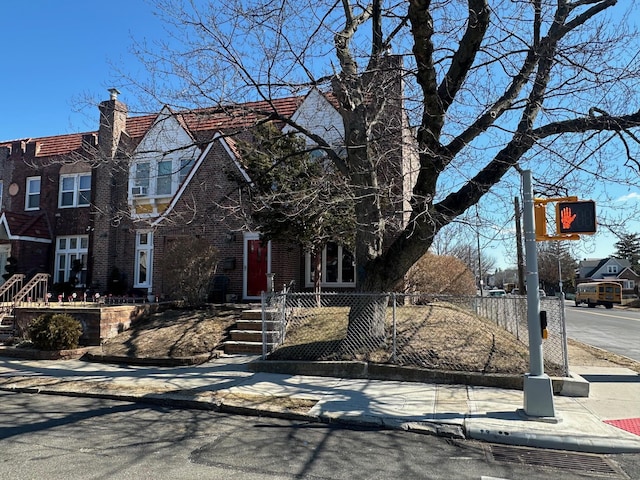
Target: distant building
[(611, 269)]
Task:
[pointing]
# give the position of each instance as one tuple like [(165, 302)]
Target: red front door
[(256, 268)]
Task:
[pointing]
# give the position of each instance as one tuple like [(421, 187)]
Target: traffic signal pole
[(538, 389)]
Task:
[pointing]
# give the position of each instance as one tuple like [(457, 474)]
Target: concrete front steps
[(246, 337), (7, 327)]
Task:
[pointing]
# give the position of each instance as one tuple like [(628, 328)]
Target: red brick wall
[(98, 323)]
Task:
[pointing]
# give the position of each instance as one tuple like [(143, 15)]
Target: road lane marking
[(612, 316)]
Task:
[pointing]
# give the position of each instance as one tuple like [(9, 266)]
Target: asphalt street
[(616, 330), (56, 437)]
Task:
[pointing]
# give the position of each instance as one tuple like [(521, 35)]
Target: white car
[(498, 292)]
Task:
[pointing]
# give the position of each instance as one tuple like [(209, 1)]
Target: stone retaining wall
[(98, 322)]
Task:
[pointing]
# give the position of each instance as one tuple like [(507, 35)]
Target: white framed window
[(141, 178), (185, 168), (32, 195), (71, 259), (75, 190), (160, 178), (163, 180), (143, 259), (337, 266), (612, 269)]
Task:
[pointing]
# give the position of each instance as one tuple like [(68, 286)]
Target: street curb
[(601, 445), (152, 361), (85, 353), (573, 386)]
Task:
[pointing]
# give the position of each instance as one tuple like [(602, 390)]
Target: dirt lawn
[(186, 333)]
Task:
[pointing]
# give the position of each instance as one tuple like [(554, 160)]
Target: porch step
[(256, 313), (7, 329), (251, 335), (246, 336), (6, 318), (244, 324), (255, 348)]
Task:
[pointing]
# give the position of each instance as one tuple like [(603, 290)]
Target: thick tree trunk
[(367, 324)]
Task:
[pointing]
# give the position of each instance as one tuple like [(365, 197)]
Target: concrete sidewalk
[(484, 413)]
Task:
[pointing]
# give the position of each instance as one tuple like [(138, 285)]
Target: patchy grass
[(174, 334), (438, 336)]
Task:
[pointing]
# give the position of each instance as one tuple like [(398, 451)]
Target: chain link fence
[(456, 333)]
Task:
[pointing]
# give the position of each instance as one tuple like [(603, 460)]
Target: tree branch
[(465, 55)]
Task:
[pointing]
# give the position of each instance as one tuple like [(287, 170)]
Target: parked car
[(515, 291), (498, 292)]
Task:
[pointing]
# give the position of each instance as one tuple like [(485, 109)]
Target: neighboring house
[(101, 208), (615, 269)]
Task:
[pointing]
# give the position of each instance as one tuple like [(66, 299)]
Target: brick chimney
[(113, 121), (108, 179)]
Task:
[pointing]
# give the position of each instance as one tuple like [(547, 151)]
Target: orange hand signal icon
[(567, 217)]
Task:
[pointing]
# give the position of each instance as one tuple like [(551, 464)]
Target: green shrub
[(59, 331)]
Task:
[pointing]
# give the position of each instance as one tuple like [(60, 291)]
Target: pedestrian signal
[(576, 217)]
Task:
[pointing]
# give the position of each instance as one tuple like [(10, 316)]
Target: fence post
[(263, 298), (393, 333), (563, 328)]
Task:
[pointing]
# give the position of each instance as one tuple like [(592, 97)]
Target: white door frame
[(245, 261)]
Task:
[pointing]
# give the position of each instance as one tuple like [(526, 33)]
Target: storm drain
[(574, 461)]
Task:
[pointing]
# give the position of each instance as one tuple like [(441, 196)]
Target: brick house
[(102, 207)]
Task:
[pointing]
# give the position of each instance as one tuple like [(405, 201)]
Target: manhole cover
[(560, 459), (631, 425)]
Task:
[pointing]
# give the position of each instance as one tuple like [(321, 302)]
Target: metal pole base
[(538, 396)]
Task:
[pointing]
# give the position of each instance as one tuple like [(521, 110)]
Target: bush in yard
[(440, 274), (55, 331), (190, 264)]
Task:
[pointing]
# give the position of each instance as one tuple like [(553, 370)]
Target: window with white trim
[(612, 269), (338, 267), (75, 190), (163, 181), (32, 195), (185, 168), (143, 259), (161, 178), (141, 177), (71, 260)]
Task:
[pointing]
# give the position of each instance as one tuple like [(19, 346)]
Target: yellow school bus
[(599, 293)]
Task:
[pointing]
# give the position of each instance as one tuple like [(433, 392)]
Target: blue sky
[(57, 52)]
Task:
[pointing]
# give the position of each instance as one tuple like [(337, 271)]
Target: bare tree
[(492, 87), (555, 265)]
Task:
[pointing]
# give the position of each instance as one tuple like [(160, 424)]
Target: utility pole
[(538, 390), (521, 286)]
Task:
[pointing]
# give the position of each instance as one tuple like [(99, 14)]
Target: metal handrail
[(36, 289), (9, 289)]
